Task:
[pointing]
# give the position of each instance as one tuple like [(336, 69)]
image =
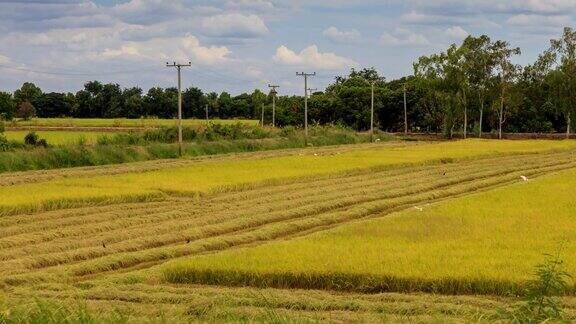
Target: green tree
[(508, 75), (193, 103), (479, 66), (53, 104), (132, 102), (28, 92), (559, 65), (7, 106), (445, 77)]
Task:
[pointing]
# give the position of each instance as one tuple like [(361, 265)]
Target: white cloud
[(150, 11), (234, 25), (310, 57), (419, 18), (341, 36), (524, 20), (259, 5), (187, 48), (456, 32), (253, 72), (450, 7), (4, 59), (403, 37)]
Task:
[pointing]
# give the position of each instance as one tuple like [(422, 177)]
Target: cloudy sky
[(239, 45)]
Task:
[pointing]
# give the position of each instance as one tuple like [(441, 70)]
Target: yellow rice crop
[(484, 243), (236, 171)]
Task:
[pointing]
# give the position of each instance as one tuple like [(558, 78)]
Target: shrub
[(541, 304), (4, 145), (31, 139)]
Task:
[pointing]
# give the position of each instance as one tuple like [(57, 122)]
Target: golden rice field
[(396, 232), (208, 175), (485, 243)]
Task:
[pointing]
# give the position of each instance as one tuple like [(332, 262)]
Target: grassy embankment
[(486, 243), (158, 143)]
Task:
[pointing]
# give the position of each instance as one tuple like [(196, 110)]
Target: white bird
[(419, 208), (524, 178), (315, 154)]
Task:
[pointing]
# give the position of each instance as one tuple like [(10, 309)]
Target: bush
[(4, 145), (31, 139)]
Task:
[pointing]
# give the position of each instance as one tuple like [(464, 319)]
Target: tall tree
[(28, 92), (508, 74), (559, 63), (479, 66), (53, 104), (7, 106)]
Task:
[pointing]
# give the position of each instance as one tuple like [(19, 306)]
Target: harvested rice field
[(397, 232)]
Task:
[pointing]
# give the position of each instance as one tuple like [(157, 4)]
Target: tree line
[(471, 88)]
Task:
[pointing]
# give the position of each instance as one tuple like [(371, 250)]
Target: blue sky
[(239, 45)]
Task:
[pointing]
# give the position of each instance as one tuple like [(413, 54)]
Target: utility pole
[(405, 113), (310, 91), (372, 113), (179, 68), (206, 112), (274, 93), (305, 75), (262, 123)]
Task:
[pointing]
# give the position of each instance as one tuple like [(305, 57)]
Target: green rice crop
[(59, 137), (487, 243), (121, 122)]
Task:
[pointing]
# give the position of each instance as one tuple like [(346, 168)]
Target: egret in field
[(419, 208), (524, 178)]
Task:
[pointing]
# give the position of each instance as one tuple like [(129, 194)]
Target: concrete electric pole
[(305, 75), (273, 92), (310, 91), (179, 68), (372, 113), (262, 121)]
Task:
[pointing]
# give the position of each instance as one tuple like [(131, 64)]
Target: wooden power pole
[(179, 68)]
